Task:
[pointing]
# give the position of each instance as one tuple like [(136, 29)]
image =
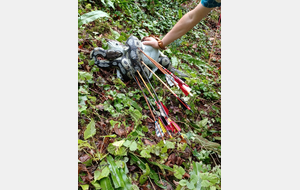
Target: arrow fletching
[(184, 105), (161, 125), (158, 132), (175, 125), (165, 108), (163, 120)]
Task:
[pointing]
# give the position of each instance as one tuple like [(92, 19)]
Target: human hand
[(151, 42)]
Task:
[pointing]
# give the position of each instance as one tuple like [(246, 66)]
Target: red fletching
[(165, 108), (176, 126), (183, 90)]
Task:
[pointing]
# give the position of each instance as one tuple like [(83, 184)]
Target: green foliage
[(90, 130), (118, 176), (145, 175), (108, 101), (90, 17), (178, 171)]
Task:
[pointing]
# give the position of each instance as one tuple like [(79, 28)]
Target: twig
[(102, 144), (151, 183), (84, 51)]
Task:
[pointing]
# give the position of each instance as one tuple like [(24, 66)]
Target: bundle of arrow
[(163, 123)]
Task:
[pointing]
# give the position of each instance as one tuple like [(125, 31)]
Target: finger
[(147, 43)]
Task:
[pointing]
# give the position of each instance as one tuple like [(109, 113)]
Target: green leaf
[(190, 185), (153, 175), (183, 182), (127, 143), (118, 175), (178, 171), (135, 187), (82, 144), (115, 34), (105, 184), (111, 4), (85, 187), (96, 185), (170, 144), (90, 130), (113, 136), (174, 61), (179, 13), (118, 143), (205, 183), (91, 16), (99, 175), (135, 114), (133, 146), (145, 175), (145, 153), (203, 122)]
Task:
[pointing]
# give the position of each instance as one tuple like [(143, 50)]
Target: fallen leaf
[(131, 168), (172, 158), (186, 175), (120, 131), (176, 183), (194, 46), (100, 107), (111, 98), (147, 142), (84, 158), (89, 177)]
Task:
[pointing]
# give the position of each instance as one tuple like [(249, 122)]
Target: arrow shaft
[(159, 79), (147, 104)]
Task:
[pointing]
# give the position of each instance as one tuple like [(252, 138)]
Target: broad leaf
[(91, 16), (133, 146), (178, 171), (105, 184), (90, 130), (118, 175)]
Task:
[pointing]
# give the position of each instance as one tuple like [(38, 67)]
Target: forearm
[(186, 23)]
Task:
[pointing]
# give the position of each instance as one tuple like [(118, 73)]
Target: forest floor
[(117, 144)]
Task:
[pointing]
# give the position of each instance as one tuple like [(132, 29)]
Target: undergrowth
[(117, 145)]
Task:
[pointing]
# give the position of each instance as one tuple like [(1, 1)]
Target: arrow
[(157, 128), (164, 113), (183, 104), (170, 125), (184, 87)]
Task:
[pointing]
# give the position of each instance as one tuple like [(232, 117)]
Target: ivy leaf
[(183, 182), (178, 171), (170, 144), (145, 153), (205, 183), (127, 143), (203, 122), (118, 143), (133, 146), (135, 114), (90, 130), (190, 185)]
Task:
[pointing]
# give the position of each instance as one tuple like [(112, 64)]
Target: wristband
[(160, 43)]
